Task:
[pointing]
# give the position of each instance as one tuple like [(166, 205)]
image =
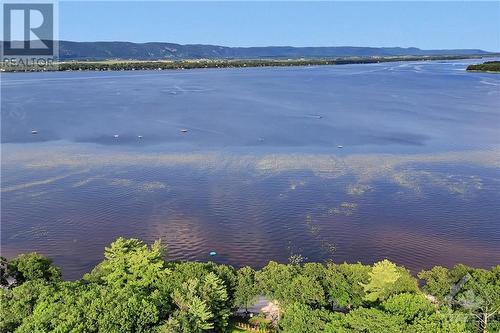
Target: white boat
[(184, 130), (339, 146), (116, 136), (34, 132)]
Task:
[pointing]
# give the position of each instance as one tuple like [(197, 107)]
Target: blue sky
[(428, 25)]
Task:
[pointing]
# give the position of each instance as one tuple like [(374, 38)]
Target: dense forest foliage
[(121, 65), (135, 290), (488, 66)]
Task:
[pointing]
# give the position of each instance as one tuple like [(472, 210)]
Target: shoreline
[(481, 71), (492, 67), (132, 65)]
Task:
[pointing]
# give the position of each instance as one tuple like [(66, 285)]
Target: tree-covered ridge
[(159, 50), (488, 66), (135, 290)]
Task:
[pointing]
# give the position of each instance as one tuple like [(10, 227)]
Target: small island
[(488, 66)]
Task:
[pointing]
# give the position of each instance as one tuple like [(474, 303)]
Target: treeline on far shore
[(134, 289), (488, 66), (124, 65)]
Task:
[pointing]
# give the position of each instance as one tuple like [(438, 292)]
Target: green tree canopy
[(372, 320), (131, 263), (301, 318), (442, 321), (135, 290), (274, 280), (382, 278), (481, 296), (193, 315), (305, 290), (344, 284), (246, 289), (32, 266), (408, 306), (437, 282)]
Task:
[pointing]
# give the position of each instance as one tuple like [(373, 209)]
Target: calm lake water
[(259, 174)]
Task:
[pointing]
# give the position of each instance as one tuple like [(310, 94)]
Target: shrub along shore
[(125, 65), (488, 66), (135, 290)]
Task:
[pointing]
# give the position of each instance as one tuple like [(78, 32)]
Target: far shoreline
[(158, 65)]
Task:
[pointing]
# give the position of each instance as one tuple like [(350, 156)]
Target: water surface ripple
[(258, 175)]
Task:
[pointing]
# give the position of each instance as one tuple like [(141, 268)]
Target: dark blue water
[(258, 174)]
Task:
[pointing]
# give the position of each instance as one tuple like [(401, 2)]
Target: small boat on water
[(34, 132), (139, 136), (212, 253), (116, 136), (184, 130), (339, 146)]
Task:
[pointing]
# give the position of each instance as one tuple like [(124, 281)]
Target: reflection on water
[(418, 210), (258, 174)]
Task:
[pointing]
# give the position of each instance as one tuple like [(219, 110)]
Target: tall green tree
[(274, 280), (246, 288), (408, 306), (382, 278), (200, 305), (301, 318), (213, 292), (305, 290), (442, 321), (481, 296), (32, 266), (372, 320), (344, 284), (437, 282), (131, 263), (193, 315), (386, 279), (17, 304)]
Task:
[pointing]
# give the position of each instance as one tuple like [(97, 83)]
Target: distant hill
[(156, 51)]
